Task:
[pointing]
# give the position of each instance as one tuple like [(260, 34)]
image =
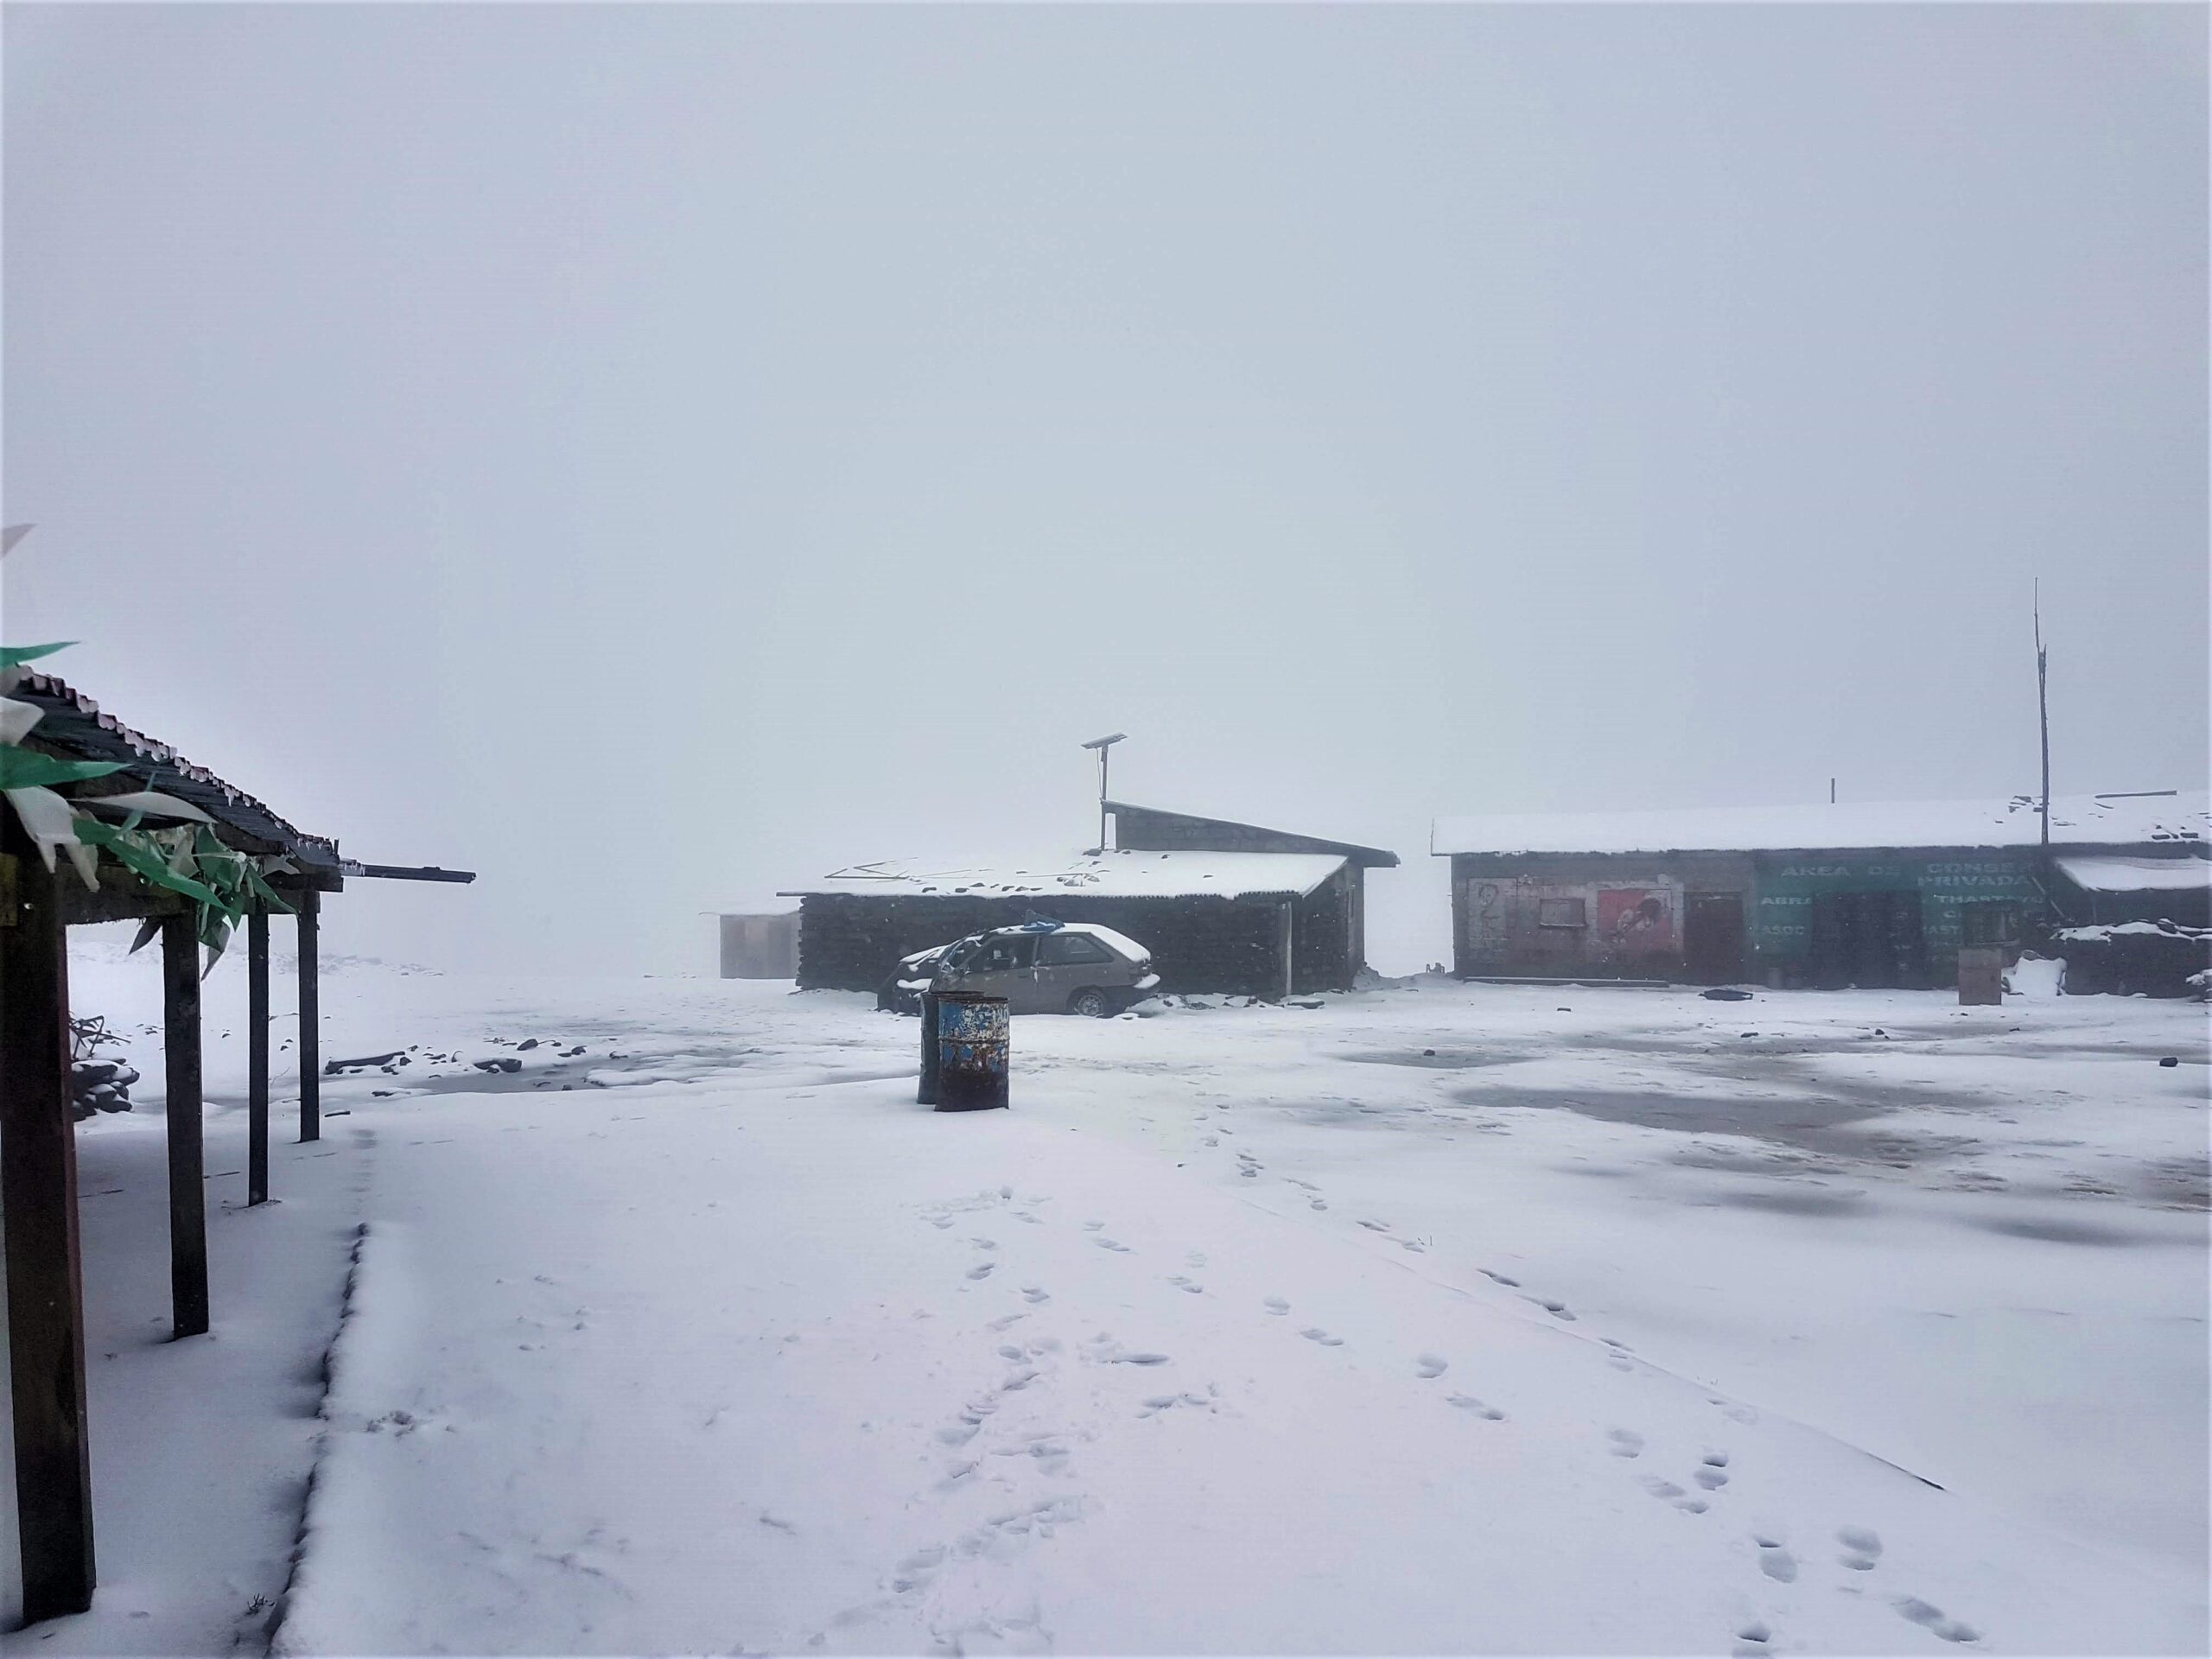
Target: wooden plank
[(311, 1022), (121, 897), (188, 1185), (38, 1197), (256, 1057)]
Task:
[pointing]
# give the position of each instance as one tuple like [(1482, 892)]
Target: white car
[(1040, 968)]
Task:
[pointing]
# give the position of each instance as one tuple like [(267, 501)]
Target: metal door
[(1712, 938)]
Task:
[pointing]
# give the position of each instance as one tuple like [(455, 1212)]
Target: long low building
[(1867, 894), (1252, 924)]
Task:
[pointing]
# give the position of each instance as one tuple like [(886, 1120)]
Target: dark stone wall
[(1323, 941), (1330, 944), (851, 941), (2123, 964)]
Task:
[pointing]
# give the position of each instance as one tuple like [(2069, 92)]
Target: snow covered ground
[(1436, 1318)]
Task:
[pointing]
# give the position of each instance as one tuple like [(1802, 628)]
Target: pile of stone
[(97, 1084)]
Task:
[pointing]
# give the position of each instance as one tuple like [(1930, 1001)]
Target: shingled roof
[(72, 726)]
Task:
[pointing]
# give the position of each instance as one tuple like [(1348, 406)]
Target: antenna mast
[(2043, 713)]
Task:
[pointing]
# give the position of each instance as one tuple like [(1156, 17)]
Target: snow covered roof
[(1115, 874), (2075, 821), (76, 728), (2109, 874)]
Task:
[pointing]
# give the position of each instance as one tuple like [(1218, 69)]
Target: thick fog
[(650, 456)]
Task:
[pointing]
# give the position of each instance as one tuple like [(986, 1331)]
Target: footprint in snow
[(1489, 1414), (1430, 1364), (1104, 1243), (1035, 1293), (1316, 1204), (1007, 1350), (1714, 1474), (1920, 1612), (1864, 1545), (1776, 1562), (1557, 1310), (1669, 1492), (1094, 1226), (1754, 1636), (1181, 1283), (1315, 1333), (1499, 1278), (1377, 1226), (1276, 1305), (983, 1270), (1626, 1442)]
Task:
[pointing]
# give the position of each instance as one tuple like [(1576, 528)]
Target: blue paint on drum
[(972, 1053)]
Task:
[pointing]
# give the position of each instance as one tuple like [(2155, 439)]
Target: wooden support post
[(38, 1197), (256, 1057), (311, 1024), (188, 1187)]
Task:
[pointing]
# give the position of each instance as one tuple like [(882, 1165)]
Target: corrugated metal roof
[(2179, 820), (2109, 874), (1367, 857), (73, 725), (1114, 874)]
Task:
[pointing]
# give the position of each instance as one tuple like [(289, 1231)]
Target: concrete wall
[(1514, 916), (760, 947), (1511, 913)]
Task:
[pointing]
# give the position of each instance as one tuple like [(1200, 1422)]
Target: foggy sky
[(653, 456)]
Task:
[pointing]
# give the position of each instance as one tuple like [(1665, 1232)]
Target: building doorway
[(1712, 938), (1871, 940)]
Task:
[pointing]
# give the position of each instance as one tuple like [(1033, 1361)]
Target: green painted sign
[(1782, 917)]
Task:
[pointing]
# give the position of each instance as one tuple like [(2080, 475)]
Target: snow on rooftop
[(2075, 821), (1114, 875), (2110, 874)]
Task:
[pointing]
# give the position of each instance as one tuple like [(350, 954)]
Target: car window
[(1066, 950), (1001, 955)]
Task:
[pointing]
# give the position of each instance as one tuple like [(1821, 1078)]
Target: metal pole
[(1102, 753), (2043, 715)]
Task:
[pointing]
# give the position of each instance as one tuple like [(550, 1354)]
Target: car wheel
[(1090, 1003)]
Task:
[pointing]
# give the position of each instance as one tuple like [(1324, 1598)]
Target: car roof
[(1120, 943)]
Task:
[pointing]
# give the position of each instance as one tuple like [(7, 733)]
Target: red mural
[(1636, 921)]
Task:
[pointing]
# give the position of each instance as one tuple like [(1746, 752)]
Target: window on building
[(1561, 912), (1989, 923), (1068, 949)]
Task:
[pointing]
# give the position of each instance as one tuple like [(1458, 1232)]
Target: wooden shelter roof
[(74, 727)]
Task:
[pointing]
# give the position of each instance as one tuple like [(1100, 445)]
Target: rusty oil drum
[(972, 1046)]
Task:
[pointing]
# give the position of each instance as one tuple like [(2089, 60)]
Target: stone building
[(1867, 894)]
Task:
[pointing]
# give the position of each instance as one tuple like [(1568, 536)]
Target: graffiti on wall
[(1636, 921), (1488, 906)]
